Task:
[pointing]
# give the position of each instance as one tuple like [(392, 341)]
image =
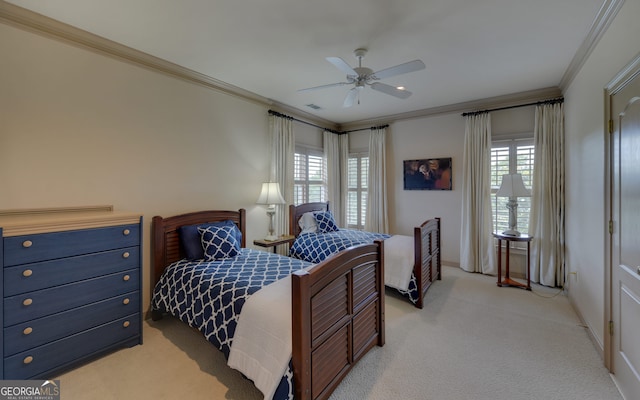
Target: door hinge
[(611, 328), (610, 227), (610, 126)]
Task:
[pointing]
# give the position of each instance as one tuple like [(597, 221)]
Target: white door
[(625, 245)]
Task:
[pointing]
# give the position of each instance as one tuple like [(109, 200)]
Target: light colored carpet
[(473, 340)]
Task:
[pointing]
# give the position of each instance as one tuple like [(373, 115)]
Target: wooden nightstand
[(274, 243), (507, 281)]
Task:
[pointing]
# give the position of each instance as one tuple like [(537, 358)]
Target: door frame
[(619, 82)]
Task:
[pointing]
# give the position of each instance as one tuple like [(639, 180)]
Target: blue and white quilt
[(315, 247), (209, 295)]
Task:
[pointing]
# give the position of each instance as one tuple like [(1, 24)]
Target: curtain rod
[(551, 101), (366, 129), (277, 114)]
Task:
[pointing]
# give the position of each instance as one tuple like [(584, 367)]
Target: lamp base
[(511, 232), (271, 238)]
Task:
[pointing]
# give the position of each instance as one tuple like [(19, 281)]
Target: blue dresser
[(71, 288)]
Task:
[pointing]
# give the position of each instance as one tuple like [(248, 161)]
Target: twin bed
[(304, 324), (412, 264), (332, 312)]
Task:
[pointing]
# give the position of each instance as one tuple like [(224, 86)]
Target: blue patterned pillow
[(191, 240), (325, 221), (219, 242)]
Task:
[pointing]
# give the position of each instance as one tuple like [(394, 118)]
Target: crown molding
[(601, 23), (28, 20), (626, 75), (303, 115), (509, 100)]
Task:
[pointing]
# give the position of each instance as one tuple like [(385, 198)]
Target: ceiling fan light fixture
[(362, 76)]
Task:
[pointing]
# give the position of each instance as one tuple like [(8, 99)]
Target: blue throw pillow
[(325, 222), (219, 242), (191, 241)]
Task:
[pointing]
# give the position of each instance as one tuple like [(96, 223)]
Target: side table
[(507, 281), (274, 243)]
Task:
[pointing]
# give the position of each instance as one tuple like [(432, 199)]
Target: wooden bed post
[(418, 263), (301, 319), (158, 246)]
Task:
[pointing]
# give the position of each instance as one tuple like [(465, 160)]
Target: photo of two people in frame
[(427, 174)]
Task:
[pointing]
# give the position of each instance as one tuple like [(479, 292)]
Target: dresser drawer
[(48, 246), (39, 360), (35, 276), (32, 305), (28, 335)]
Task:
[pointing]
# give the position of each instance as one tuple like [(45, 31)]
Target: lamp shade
[(270, 194), (512, 186)]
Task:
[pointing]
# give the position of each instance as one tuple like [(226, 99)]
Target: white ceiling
[(472, 49)]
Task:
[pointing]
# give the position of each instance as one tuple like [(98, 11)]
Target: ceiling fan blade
[(388, 89), (342, 65), (410, 66), (324, 86), (351, 97)]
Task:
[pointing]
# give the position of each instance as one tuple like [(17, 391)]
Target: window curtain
[(282, 157), (476, 239), (376, 220), (546, 220), (336, 154)]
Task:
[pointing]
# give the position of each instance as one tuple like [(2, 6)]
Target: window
[(510, 157), (309, 176), (357, 176)]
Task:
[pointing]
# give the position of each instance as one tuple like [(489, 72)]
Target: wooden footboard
[(427, 263), (338, 315)]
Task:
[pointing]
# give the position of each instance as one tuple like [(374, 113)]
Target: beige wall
[(586, 217), (80, 128)]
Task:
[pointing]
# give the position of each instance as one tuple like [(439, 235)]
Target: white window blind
[(357, 177), (309, 176), (510, 157)]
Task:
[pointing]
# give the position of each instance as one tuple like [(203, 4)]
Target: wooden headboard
[(165, 242), (296, 212)]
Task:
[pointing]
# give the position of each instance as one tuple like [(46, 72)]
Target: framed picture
[(427, 174)]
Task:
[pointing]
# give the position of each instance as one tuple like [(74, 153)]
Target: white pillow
[(308, 223)]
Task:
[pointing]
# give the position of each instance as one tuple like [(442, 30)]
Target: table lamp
[(512, 187), (270, 195)]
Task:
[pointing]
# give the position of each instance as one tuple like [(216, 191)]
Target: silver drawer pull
[(126, 278), (126, 232), (126, 324), (27, 330), (125, 301), (28, 359), (27, 302), (27, 243), (125, 254), (27, 272)]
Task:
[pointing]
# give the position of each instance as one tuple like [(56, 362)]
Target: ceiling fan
[(362, 76)]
